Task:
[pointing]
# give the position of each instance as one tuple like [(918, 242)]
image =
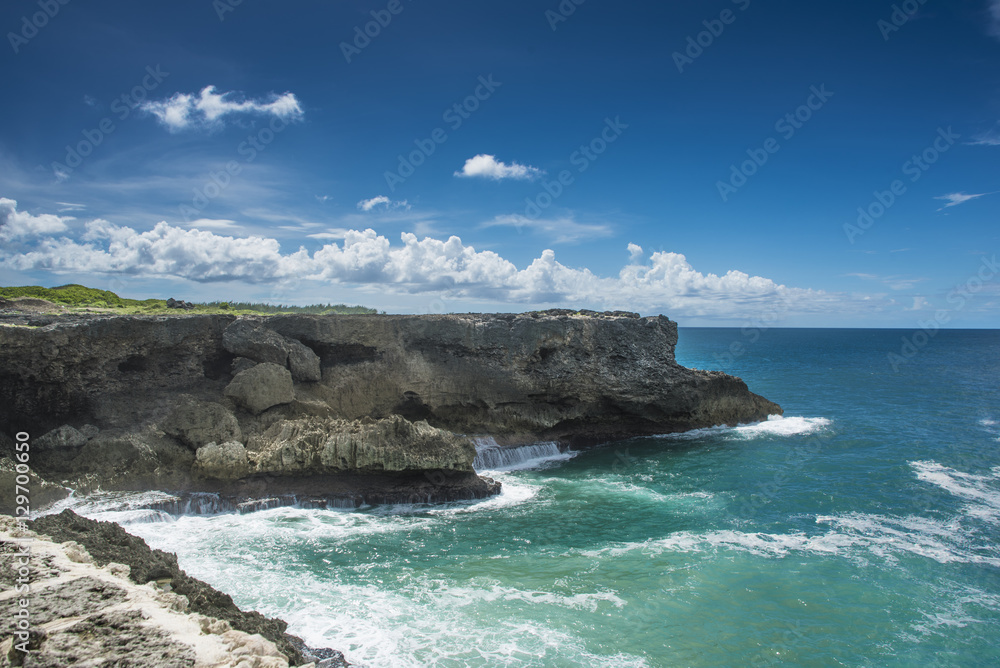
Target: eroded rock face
[(318, 446), (197, 423), (225, 461), (262, 386), (255, 341), (63, 437)]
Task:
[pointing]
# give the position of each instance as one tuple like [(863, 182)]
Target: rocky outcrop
[(318, 446), (261, 344), (100, 596), (261, 386), (197, 423), (368, 407)]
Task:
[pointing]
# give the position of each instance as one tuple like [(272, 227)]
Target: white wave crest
[(775, 425), (981, 491)]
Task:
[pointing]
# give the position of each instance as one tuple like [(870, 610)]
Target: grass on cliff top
[(81, 298)]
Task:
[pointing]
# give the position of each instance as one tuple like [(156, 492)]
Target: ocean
[(861, 529)]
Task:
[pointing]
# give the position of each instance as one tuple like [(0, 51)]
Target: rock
[(63, 437), (252, 340), (89, 431), (317, 446), (241, 364), (304, 363), (261, 387), (570, 376), (261, 344), (197, 423), (43, 492), (107, 542), (227, 461)]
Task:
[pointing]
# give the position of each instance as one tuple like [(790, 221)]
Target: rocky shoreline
[(100, 596), (346, 409)]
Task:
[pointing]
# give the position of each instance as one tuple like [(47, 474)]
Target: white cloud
[(560, 230), (991, 138), (183, 111), (995, 18), (332, 233), (488, 167), (664, 282), (213, 223), (635, 254), (382, 201), (16, 224), (954, 199)]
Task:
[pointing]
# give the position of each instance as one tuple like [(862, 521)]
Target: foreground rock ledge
[(100, 596), (368, 408)]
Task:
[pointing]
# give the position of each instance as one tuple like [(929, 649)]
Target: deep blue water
[(862, 529)]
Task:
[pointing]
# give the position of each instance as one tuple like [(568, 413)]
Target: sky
[(725, 163)]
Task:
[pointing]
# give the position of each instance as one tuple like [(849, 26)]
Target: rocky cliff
[(367, 407)]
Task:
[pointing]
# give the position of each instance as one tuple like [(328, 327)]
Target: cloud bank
[(208, 108), (664, 282), (488, 167)]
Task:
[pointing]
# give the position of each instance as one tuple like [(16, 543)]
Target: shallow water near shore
[(863, 528)]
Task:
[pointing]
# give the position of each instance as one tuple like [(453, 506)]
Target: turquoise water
[(860, 530)]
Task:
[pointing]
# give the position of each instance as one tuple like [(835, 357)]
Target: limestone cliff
[(369, 406)]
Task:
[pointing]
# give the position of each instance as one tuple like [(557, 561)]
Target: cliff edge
[(368, 408)]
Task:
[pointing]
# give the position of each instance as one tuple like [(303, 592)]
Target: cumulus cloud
[(16, 224), (954, 199), (383, 202), (488, 167), (207, 108), (662, 282), (213, 223), (560, 230)]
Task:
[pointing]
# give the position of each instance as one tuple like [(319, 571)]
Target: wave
[(775, 425), (979, 490), (856, 536)]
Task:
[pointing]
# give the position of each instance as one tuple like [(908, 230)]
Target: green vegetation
[(80, 297)]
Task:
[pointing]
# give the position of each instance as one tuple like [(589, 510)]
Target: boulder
[(261, 387), (241, 364), (262, 344), (197, 423), (248, 339), (227, 461), (63, 437), (303, 362)]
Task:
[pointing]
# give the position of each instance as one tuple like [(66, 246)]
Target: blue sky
[(724, 162)]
